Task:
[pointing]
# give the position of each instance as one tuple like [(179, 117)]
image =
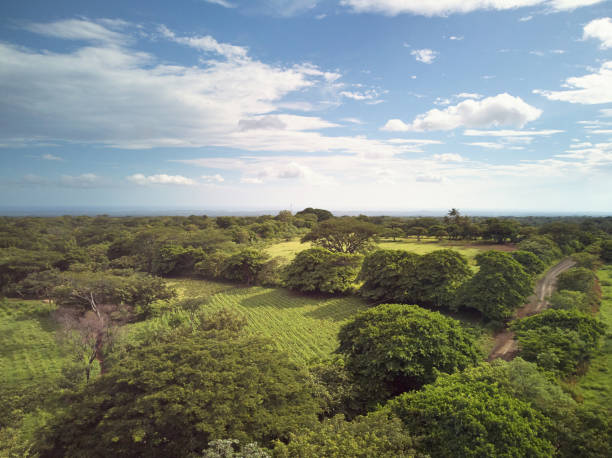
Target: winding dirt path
[(505, 346)]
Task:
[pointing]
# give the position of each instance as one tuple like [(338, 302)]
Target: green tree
[(530, 262), (543, 247), (606, 250), (501, 230), (389, 276), (472, 418), (320, 270), (500, 285), (439, 275), (394, 348), (342, 235), (176, 393), (244, 266), (569, 300), (321, 214), (559, 340), (379, 434)]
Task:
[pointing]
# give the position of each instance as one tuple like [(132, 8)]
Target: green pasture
[(289, 249), (596, 385), (304, 327), (29, 353)]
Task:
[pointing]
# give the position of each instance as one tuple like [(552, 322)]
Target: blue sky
[(390, 105)]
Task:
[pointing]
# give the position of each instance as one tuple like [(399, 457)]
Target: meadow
[(288, 249), (29, 352), (596, 385)]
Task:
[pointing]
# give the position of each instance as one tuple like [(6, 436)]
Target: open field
[(305, 327), (596, 385), (289, 249)]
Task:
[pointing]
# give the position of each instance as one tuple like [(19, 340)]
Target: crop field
[(596, 385), (304, 327), (29, 352), (289, 249)]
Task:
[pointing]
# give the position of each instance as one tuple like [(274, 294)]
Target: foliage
[(175, 394), (530, 262), (500, 285), (378, 434), (176, 260), (543, 247), (399, 276), (231, 448), (587, 260), (606, 251), (558, 340), (320, 270), (465, 415), (394, 348), (321, 214), (342, 235), (501, 230), (580, 279), (244, 266), (569, 300)]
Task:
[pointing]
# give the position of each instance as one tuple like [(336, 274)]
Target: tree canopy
[(394, 348), (342, 235)]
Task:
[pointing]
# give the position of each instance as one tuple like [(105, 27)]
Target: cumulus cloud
[(427, 56), (140, 179), (447, 7), (589, 89), (468, 95), (510, 133), (429, 178), (448, 157), (501, 110), (206, 44), (103, 30), (360, 95), (600, 29)]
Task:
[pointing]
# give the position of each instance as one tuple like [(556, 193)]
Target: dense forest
[(136, 366)]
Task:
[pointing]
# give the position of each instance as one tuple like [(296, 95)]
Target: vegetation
[(320, 270), (342, 235), (395, 348)]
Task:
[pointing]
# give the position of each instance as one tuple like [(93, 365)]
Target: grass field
[(29, 352), (289, 249), (304, 327), (596, 385)]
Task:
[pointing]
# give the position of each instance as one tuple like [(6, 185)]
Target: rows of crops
[(304, 327), (28, 347)]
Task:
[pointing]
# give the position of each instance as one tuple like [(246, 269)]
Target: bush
[(530, 262)]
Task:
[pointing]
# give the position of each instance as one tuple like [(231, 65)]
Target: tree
[(472, 418), (389, 276), (606, 250), (379, 434), (543, 247), (244, 266), (321, 214), (559, 340), (394, 348), (500, 285), (439, 275), (418, 231), (342, 235), (530, 262), (320, 270), (501, 230), (569, 300), (582, 280), (175, 394)]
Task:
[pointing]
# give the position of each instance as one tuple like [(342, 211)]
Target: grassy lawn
[(596, 385), (304, 327), (29, 353), (289, 249)]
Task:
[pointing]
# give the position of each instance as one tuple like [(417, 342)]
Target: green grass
[(289, 249), (304, 327), (596, 385), (29, 352)]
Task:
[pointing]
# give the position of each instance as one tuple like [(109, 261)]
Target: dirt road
[(505, 346)]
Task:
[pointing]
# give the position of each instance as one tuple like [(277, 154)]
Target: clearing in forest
[(596, 385)]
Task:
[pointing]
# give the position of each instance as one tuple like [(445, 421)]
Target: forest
[(306, 335)]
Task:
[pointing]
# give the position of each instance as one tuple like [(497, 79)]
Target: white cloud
[(606, 112), (427, 56), (206, 44), (82, 29), (356, 95), (488, 145), (468, 95), (503, 109), (86, 180), (352, 120), (213, 178), (447, 7), (223, 3), (526, 18), (589, 89), (600, 29), (510, 133), (455, 38), (429, 178), (51, 157), (180, 180), (448, 157)]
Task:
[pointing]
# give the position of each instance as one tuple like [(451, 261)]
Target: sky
[(373, 105)]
